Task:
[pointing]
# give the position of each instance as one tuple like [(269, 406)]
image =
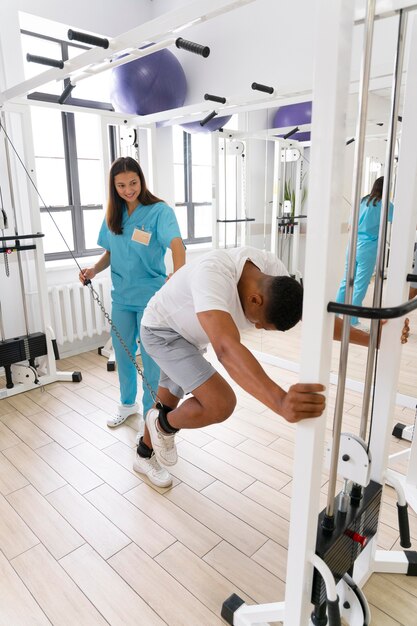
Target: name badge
[(141, 236)]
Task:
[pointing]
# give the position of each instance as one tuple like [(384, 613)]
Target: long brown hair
[(115, 203), (376, 192)]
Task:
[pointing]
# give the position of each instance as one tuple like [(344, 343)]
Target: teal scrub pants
[(366, 252), (127, 321)]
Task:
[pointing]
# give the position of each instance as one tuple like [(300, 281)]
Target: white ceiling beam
[(154, 31)]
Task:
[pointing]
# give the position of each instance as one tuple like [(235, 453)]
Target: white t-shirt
[(209, 283)]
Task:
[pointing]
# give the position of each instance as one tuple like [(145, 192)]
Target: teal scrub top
[(138, 269), (369, 219)]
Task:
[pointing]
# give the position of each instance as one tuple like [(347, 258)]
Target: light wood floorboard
[(85, 540)]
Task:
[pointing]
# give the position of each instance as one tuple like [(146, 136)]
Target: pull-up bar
[(264, 88), (34, 58), (209, 96), (66, 93), (291, 133), (208, 118), (93, 40), (190, 46)]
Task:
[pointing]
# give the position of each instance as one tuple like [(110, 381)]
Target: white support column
[(295, 261), (215, 188), (334, 28), (28, 157), (276, 194), (104, 125), (162, 158)]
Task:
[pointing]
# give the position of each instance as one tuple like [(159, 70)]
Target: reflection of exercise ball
[(214, 124), (294, 115), (151, 84)]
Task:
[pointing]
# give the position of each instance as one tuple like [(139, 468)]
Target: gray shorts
[(183, 366)]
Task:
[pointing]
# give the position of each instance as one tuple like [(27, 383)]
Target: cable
[(38, 192), (93, 292)]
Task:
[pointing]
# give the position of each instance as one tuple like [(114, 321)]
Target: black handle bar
[(384, 313)]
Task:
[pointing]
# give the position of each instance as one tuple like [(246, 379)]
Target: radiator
[(74, 313)]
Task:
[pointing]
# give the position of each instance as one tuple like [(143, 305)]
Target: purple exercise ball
[(294, 115), (213, 124), (148, 85)]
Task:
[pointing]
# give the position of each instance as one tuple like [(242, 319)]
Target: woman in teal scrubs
[(137, 230), (367, 245)]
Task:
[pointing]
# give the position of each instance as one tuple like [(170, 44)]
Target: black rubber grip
[(291, 133), (208, 118), (87, 282), (66, 93), (209, 96), (397, 431), (327, 524), (333, 612), (403, 525), (265, 88), (93, 40), (55, 348), (34, 58), (16, 237), (190, 46)]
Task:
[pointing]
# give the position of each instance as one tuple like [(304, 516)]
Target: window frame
[(71, 159), (188, 194)]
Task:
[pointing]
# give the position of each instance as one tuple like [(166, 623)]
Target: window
[(67, 153), (193, 184), (69, 179)]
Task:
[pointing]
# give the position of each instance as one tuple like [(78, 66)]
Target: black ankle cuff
[(163, 421), (144, 450)]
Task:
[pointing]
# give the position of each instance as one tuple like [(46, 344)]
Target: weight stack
[(22, 348), (352, 532)]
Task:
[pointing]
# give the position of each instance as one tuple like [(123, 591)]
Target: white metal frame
[(157, 30), (221, 144), (18, 118), (334, 33), (406, 483), (281, 155)]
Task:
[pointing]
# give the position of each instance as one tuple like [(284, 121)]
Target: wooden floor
[(85, 541)]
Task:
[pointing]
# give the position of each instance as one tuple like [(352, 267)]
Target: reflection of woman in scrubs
[(367, 245), (135, 234)]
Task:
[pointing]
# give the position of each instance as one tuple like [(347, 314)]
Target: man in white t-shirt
[(209, 301)]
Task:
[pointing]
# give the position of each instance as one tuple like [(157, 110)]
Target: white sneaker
[(123, 411), (363, 327), (150, 468), (163, 444), (141, 430)]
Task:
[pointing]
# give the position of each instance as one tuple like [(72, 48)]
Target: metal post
[(380, 262), (357, 180)]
